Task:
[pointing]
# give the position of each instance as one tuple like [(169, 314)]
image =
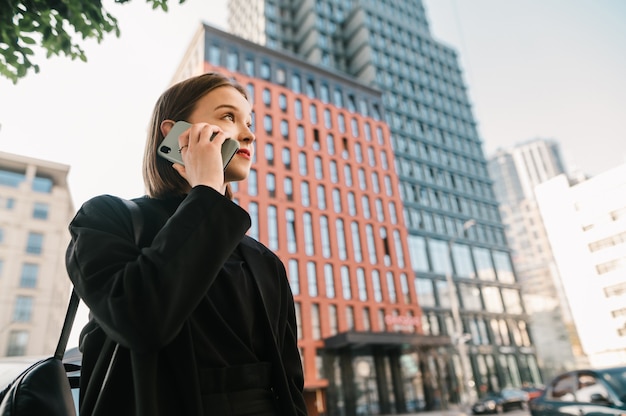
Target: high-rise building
[(35, 209), (516, 172), (449, 207), (586, 225)]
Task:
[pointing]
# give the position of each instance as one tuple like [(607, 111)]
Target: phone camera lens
[(165, 149)]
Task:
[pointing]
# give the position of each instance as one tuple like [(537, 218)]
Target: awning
[(356, 339)]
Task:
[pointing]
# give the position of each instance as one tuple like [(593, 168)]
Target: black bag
[(44, 388)]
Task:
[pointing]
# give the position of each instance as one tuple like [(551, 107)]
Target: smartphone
[(168, 149)]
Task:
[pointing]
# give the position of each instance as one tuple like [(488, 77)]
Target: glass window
[(347, 173), (28, 278), (470, 295), (18, 341), (12, 179), (350, 317), (424, 291), (462, 261), (311, 278), (391, 287), (404, 286), (365, 205), (504, 269), (40, 210), (298, 109), (329, 280), (249, 66), (272, 227), (266, 72), (34, 244), (371, 244), (268, 124), (493, 300), (354, 127), (356, 242), (341, 239), (334, 174), (376, 286), (360, 281), (330, 144), (288, 188), (362, 180), (282, 101), (316, 331), (342, 123), (563, 388), (252, 183), (305, 196), (253, 210), (398, 248), (336, 200), (321, 197), (512, 300), (269, 153), (290, 216), (443, 293), (267, 97), (303, 169), (319, 167), (309, 248), (325, 236), (300, 136), (393, 215), (484, 266), (333, 319), (367, 324), (345, 282), (214, 55), (351, 203), (294, 277), (313, 114), (23, 309), (439, 256), (328, 120)]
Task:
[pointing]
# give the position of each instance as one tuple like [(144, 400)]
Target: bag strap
[(67, 325), (72, 307)]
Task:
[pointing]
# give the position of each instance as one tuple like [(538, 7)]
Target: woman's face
[(226, 108)]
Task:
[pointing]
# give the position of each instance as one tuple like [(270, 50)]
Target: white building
[(586, 226), (515, 173), (35, 210)]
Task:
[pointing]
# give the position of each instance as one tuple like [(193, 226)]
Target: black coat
[(142, 297)]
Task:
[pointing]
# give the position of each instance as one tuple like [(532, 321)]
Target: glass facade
[(434, 163)]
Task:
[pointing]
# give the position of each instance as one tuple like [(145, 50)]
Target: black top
[(232, 310)]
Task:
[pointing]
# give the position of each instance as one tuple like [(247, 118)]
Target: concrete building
[(586, 225), (516, 172), (441, 170), (35, 209)]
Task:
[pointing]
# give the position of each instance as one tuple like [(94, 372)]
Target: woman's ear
[(166, 126)]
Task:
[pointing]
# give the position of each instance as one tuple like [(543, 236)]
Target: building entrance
[(385, 373)]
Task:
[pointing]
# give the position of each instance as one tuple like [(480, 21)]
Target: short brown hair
[(176, 103)]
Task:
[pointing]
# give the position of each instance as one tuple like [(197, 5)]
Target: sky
[(551, 69)]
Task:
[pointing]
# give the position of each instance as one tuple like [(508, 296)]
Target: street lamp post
[(459, 338)]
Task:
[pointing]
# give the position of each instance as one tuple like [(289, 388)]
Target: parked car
[(533, 391), (499, 402), (584, 392)]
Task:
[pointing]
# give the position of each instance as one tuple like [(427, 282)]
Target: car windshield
[(616, 377)]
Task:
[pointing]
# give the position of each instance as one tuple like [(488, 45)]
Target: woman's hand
[(201, 150)]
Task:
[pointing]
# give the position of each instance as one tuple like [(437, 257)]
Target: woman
[(189, 316)]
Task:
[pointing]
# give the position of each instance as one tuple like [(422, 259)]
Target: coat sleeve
[(142, 297)]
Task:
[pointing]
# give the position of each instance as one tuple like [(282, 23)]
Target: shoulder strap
[(72, 307), (67, 325), (136, 217)]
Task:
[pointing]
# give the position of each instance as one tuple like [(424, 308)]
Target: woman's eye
[(229, 117)]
